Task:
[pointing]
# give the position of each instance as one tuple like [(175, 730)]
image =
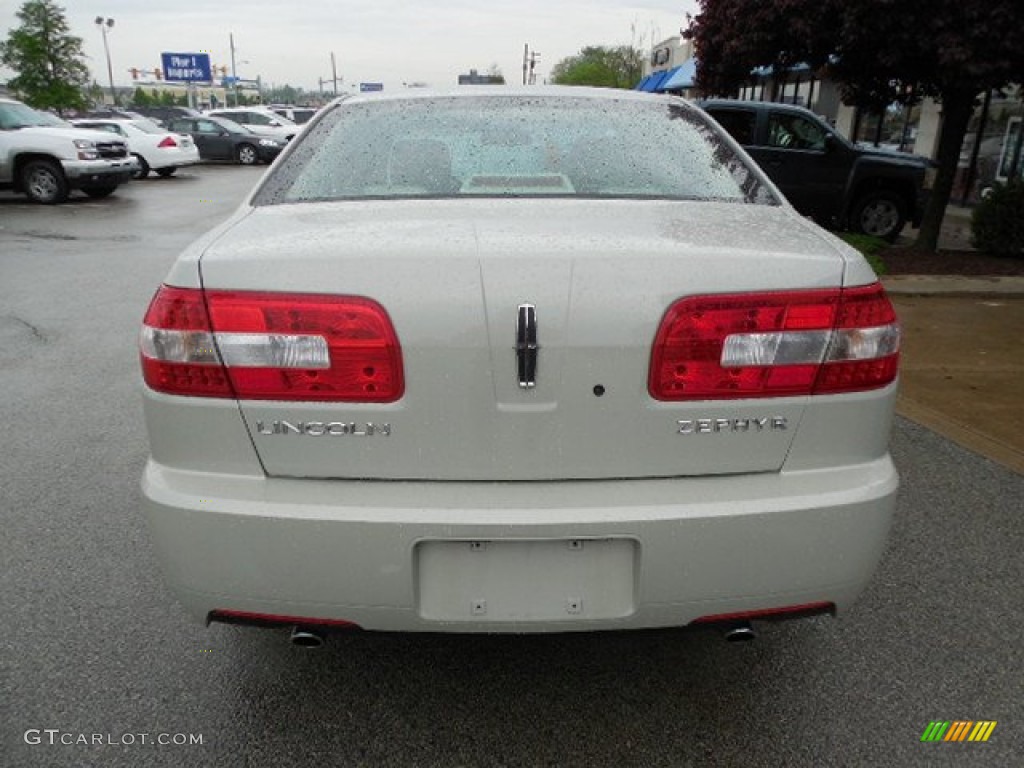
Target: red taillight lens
[(775, 345), (272, 346), (178, 352), (167, 141)]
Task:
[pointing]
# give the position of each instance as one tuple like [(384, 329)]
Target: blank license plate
[(524, 581)]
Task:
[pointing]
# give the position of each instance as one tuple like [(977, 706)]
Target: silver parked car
[(508, 360)]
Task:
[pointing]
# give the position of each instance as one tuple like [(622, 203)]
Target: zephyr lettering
[(323, 428), (718, 426)]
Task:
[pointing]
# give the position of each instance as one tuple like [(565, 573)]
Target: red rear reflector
[(272, 346), (168, 141), (775, 344), (273, 619), (767, 614)]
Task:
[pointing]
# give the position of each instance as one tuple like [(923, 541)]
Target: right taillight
[(775, 344), (270, 346)]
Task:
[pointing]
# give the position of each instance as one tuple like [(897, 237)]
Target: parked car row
[(45, 157)]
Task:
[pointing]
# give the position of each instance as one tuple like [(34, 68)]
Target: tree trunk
[(957, 108)]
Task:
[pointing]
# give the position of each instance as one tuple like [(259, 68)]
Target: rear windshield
[(147, 127), (513, 146)]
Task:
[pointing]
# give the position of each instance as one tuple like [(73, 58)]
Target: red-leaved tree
[(879, 51)]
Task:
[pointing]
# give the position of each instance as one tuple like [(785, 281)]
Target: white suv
[(45, 160), (260, 120), (553, 359)]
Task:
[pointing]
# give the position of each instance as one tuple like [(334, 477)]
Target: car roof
[(477, 91), (751, 104)]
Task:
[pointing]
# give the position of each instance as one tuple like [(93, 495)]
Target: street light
[(104, 24)]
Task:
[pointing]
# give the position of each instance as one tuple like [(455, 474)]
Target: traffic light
[(135, 73), (158, 73)]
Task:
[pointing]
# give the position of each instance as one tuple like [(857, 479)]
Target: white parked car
[(155, 148), (298, 115), (260, 120), (539, 360), (45, 158)]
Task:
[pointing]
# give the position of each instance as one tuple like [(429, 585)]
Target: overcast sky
[(389, 41)]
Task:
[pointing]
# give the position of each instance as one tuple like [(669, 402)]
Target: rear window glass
[(512, 146), (147, 127)]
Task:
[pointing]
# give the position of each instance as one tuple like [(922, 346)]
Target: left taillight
[(270, 346), (167, 141)]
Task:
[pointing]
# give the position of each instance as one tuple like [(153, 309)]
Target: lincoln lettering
[(717, 426), (323, 428)]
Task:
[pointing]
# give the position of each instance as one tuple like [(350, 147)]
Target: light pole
[(104, 24)]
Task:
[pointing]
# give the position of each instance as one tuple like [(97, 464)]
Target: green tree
[(284, 94), (140, 98), (50, 65), (600, 65)]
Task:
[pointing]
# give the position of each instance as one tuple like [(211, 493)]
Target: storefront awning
[(652, 81), (681, 77)]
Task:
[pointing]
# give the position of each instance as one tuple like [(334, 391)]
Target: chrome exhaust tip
[(305, 637), (741, 632)]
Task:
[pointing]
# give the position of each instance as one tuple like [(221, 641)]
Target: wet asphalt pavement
[(95, 647)]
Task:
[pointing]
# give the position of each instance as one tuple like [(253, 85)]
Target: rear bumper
[(174, 158), (269, 154), (395, 555)]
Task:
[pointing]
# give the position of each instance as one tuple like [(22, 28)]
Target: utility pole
[(234, 70), (104, 24), (334, 73), (526, 57)]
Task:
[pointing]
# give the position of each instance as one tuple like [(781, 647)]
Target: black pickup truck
[(838, 184)]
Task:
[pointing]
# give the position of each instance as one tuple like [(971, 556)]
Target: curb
[(954, 286)]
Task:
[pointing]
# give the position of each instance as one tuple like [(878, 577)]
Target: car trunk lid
[(459, 281)]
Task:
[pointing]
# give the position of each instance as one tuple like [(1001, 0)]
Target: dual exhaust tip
[(739, 632), (307, 637)]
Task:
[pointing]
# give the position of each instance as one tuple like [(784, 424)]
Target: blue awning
[(652, 81), (683, 76), (665, 77)]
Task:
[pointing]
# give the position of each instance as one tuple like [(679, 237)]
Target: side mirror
[(274, 124), (830, 142)]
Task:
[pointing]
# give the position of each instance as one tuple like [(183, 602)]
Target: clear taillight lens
[(270, 346), (775, 344)]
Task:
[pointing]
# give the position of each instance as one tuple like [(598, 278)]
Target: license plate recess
[(526, 580)]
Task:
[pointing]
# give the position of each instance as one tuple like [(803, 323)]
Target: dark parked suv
[(824, 176)]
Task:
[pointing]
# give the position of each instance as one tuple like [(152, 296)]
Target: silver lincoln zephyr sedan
[(504, 360)]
